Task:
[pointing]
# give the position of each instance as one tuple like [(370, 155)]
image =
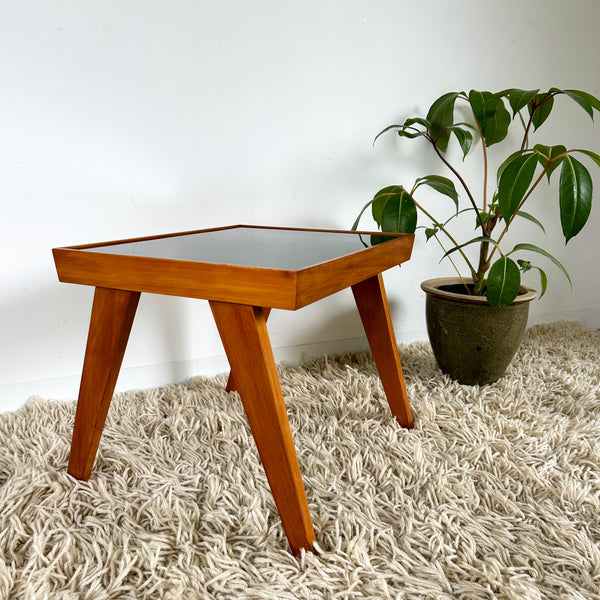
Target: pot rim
[(431, 286)]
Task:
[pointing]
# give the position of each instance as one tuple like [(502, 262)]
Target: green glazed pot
[(472, 341)]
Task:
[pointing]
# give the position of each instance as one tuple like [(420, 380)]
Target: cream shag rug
[(495, 493)]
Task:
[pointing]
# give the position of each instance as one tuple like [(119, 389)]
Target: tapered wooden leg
[(112, 316), (231, 387), (375, 314), (243, 330)]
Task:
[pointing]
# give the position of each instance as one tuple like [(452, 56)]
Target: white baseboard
[(14, 395)]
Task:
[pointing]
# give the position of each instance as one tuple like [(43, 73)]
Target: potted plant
[(487, 302)]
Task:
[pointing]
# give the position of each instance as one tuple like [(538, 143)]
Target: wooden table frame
[(240, 298)]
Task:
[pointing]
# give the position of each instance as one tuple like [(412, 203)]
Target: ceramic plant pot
[(472, 341)]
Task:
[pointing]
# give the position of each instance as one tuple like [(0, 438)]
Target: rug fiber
[(495, 493)]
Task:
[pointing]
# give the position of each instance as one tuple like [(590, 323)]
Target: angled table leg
[(243, 330), (112, 316), (374, 311), (231, 387)]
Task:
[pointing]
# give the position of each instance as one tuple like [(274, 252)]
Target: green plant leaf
[(518, 99), (440, 117), (417, 120), (378, 239), (503, 166), (379, 200), (399, 215), (543, 280), (456, 214), (394, 210), (475, 240), (585, 100), (595, 157), (360, 214), (409, 130), (550, 155), (430, 232), (406, 130), (483, 218), (411, 135), (503, 282), (440, 184), (575, 197), (531, 218), (388, 128), (514, 182), (541, 106), (534, 248), (464, 137), (524, 265), (491, 114)]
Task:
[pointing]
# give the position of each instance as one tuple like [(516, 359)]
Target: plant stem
[(483, 262), (505, 230), (526, 136), (534, 107), (485, 173), (479, 276), (448, 234), (453, 264), (463, 183)]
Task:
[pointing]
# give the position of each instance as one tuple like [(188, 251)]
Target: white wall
[(120, 119)]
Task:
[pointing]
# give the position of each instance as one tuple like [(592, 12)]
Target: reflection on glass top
[(287, 249)]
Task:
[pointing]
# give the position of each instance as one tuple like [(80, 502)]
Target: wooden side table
[(244, 272)]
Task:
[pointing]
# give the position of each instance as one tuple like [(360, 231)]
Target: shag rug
[(495, 493)]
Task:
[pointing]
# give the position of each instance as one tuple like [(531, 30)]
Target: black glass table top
[(263, 247)]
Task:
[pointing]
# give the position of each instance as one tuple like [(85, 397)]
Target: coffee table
[(243, 271)]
